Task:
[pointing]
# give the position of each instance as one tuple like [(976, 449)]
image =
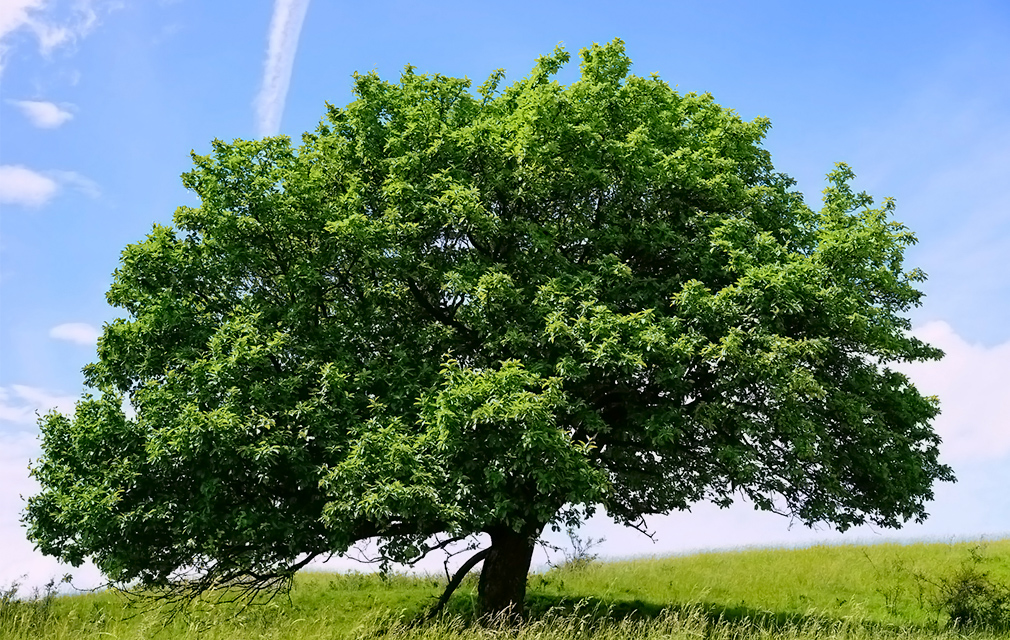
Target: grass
[(824, 592), (886, 583)]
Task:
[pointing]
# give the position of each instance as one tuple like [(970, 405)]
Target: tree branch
[(438, 313), (456, 580)]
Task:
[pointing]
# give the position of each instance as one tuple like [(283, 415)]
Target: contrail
[(285, 27)]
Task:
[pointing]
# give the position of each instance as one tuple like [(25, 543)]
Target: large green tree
[(454, 313)]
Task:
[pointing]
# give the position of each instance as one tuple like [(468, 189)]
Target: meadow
[(913, 592)]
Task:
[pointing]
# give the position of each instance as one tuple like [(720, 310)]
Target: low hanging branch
[(456, 580)]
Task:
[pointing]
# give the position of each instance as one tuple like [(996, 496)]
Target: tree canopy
[(451, 313)]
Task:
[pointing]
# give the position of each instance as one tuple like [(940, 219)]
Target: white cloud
[(20, 403), (285, 27), (16, 13), (19, 185), (45, 115), (51, 22), (973, 384), (26, 187), (76, 332)]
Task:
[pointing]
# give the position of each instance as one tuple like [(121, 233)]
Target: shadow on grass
[(619, 609), (614, 610)]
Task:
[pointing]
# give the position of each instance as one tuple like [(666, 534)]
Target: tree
[(450, 313)]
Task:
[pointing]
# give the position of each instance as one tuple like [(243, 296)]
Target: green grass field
[(824, 592)]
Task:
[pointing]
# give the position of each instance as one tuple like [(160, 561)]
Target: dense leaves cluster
[(457, 312)]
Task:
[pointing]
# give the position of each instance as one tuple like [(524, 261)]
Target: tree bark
[(502, 586)]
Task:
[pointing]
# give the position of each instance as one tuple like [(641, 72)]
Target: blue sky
[(102, 101)]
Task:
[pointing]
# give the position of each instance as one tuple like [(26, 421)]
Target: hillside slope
[(827, 592)]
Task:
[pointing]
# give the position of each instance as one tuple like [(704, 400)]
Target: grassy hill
[(824, 592)]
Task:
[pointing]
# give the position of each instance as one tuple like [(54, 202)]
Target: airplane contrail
[(285, 27)]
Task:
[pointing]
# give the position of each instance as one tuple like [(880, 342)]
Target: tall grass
[(886, 583), (827, 593), (19, 615)]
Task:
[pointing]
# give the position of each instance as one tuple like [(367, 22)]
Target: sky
[(102, 102)]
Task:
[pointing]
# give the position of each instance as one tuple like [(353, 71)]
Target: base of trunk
[(502, 586)]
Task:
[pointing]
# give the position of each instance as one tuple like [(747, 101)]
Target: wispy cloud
[(20, 403), (83, 184), (285, 27), (943, 152), (45, 115), (29, 188), (76, 332), (52, 25)]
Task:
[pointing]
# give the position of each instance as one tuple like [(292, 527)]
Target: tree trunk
[(502, 586)]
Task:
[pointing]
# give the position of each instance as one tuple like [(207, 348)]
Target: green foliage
[(455, 313), (972, 596)]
